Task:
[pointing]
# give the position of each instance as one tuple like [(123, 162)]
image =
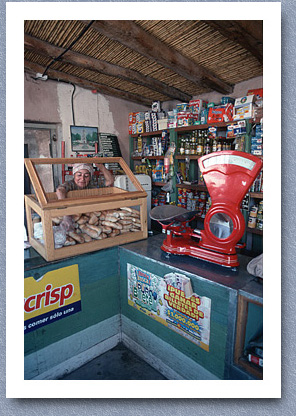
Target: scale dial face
[(221, 225), (229, 160)]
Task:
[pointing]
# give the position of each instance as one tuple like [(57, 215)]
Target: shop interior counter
[(107, 314), (235, 279)]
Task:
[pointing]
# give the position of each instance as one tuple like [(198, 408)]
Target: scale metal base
[(188, 247)]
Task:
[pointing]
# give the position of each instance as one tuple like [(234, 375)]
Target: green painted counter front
[(99, 287), (214, 360)]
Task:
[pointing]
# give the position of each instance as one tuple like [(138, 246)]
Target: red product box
[(131, 118), (258, 92), (222, 113)]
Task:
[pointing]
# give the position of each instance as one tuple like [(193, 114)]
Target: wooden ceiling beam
[(247, 33), (84, 61), (84, 83), (134, 37)]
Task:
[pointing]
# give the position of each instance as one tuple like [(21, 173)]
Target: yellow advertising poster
[(52, 297)]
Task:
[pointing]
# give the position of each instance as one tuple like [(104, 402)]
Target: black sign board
[(109, 147)]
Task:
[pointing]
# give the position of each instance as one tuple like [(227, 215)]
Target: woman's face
[(82, 178)]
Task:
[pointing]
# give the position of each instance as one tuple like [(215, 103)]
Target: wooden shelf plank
[(194, 187), (159, 183), (149, 133), (254, 231), (192, 157), (258, 195), (148, 157)]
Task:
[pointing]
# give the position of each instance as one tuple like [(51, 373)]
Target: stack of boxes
[(197, 112), (189, 114)]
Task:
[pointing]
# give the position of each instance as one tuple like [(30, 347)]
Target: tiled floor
[(117, 364)]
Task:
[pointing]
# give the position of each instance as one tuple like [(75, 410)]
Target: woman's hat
[(80, 166)]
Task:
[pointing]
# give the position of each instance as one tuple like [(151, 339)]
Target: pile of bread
[(101, 224)]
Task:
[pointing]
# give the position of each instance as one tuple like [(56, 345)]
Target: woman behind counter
[(82, 179)]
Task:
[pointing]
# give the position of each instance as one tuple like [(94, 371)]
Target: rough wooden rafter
[(246, 33), (133, 36), (84, 61)]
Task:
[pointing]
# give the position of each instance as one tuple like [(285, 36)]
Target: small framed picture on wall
[(83, 138)]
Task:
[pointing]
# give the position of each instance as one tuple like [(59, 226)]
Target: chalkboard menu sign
[(109, 147)]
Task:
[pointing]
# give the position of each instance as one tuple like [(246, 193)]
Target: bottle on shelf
[(207, 146), (192, 145), (182, 146), (200, 143), (187, 146), (214, 145)]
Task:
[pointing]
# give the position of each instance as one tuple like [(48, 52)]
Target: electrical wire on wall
[(69, 47), (72, 104)]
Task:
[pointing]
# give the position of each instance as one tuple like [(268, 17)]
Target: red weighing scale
[(228, 176)]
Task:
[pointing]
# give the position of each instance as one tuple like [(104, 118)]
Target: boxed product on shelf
[(244, 107), (258, 92), (163, 124), (172, 119), (220, 113), (140, 116), (134, 128), (185, 118), (155, 107), (257, 185), (196, 106), (158, 172), (182, 107), (131, 118), (148, 126), (140, 127), (227, 100), (204, 116)]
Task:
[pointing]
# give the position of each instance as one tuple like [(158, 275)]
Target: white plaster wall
[(85, 110), (50, 102), (41, 100)]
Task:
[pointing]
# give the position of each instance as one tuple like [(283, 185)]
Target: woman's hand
[(109, 179)]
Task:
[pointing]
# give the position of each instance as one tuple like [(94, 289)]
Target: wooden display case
[(48, 207)]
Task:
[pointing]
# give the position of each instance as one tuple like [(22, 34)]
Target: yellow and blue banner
[(54, 296)]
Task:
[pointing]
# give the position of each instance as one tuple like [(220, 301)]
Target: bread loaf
[(106, 230), (87, 238), (69, 241), (93, 219), (125, 222), (114, 233), (111, 224), (102, 236), (131, 210), (89, 231), (82, 220), (95, 228), (76, 237)]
